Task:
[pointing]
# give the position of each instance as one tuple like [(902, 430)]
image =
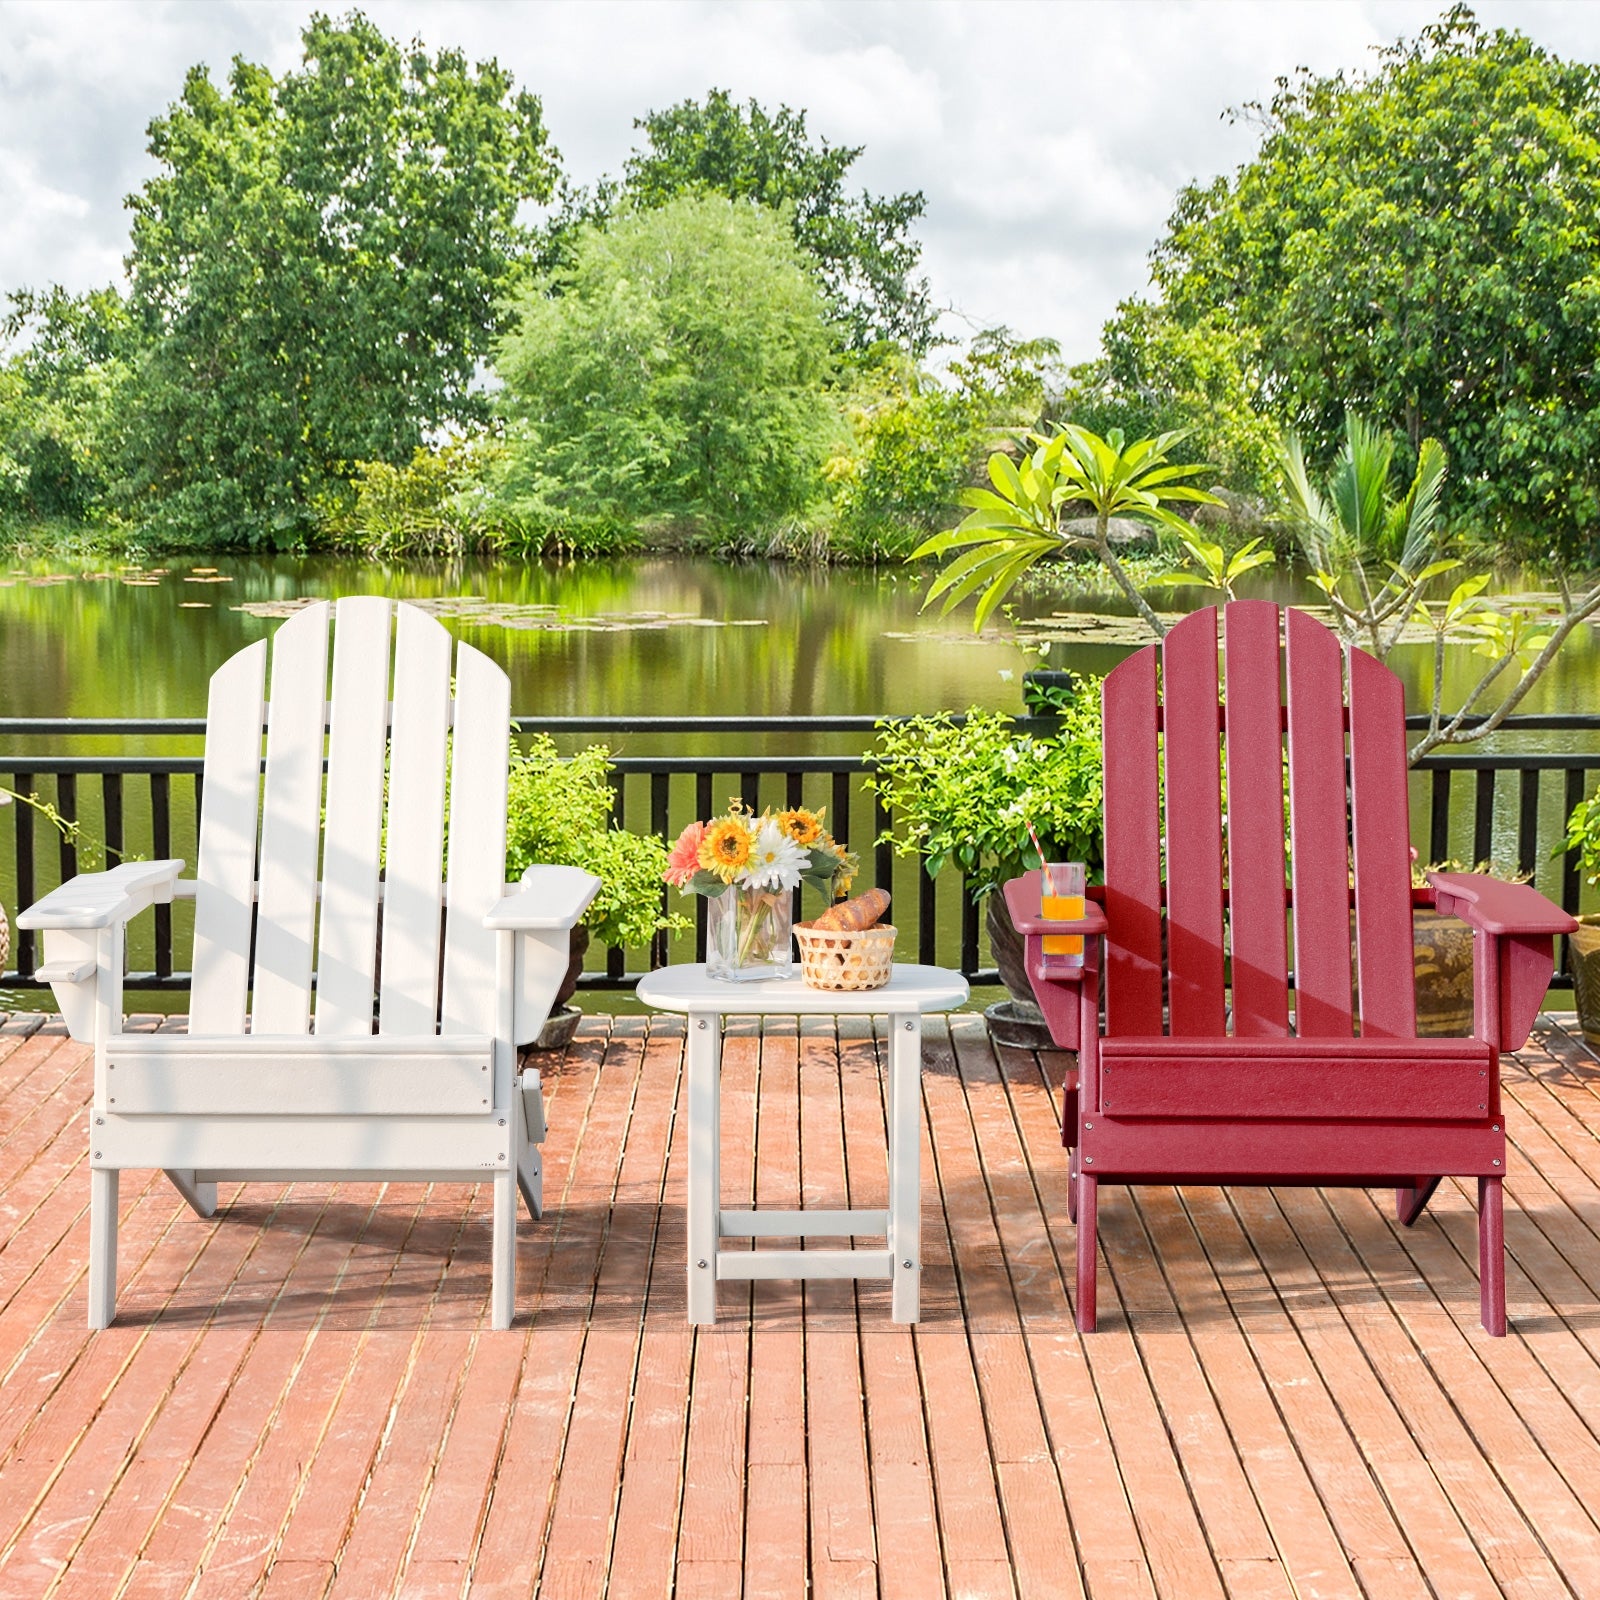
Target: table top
[(909, 989)]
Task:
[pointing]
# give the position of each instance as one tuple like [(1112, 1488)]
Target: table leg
[(705, 1160), (905, 1165)]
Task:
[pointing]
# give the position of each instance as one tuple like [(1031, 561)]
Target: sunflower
[(804, 827), (725, 850)]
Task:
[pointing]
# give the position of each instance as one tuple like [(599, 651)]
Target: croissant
[(851, 916)]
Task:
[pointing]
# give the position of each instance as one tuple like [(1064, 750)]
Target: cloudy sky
[(1048, 138)]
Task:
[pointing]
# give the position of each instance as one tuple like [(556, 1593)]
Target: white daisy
[(776, 861)]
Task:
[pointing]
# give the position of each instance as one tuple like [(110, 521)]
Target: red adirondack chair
[(1236, 1048)]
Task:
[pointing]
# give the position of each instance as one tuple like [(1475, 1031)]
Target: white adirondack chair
[(400, 1065)]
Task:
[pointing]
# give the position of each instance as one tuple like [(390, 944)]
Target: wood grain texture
[(1289, 1394), (1253, 740), (1134, 981), (1318, 830), (1196, 1004)]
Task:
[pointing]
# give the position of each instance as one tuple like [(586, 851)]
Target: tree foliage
[(916, 442), (61, 404), (676, 370), (1423, 244), (1030, 512), (316, 269), (860, 245), (1373, 554), (1156, 374)]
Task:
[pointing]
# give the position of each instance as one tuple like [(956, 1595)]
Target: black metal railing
[(1509, 807)]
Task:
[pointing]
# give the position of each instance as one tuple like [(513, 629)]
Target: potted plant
[(559, 812), (1442, 955), (1583, 943), (963, 792)]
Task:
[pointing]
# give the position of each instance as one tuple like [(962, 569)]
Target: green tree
[(917, 442), (318, 269), (678, 373), (1423, 244), (61, 409), (860, 245), (1158, 375)]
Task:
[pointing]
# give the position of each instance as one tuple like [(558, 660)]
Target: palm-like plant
[(1374, 556), (1022, 518), (1368, 551)]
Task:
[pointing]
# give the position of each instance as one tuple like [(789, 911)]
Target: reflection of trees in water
[(94, 646)]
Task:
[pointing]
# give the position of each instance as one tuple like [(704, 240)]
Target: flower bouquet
[(748, 868)]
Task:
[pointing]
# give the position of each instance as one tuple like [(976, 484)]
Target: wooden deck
[(1290, 1395)]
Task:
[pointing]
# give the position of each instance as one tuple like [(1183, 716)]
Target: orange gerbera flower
[(725, 850), (804, 827)]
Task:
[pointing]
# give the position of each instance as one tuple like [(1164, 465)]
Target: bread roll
[(851, 916)]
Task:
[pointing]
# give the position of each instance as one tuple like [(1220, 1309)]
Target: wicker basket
[(832, 959)]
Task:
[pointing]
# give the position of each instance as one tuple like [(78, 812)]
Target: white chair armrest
[(103, 899), (548, 898)]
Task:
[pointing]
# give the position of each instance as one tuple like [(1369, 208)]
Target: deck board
[(1290, 1394)]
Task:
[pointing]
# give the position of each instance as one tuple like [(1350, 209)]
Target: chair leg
[(503, 1285), (530, 1181), (102, 1246), (201, 1197), (1072, 1184), (530, 1166), (1088, 1244), (1491, 1256), (1411, 1198)]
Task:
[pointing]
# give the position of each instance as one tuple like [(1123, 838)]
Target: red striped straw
[(1044, 866)]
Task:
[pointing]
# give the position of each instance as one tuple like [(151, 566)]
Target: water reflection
[(639, 637)]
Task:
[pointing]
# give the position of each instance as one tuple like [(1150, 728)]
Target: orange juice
[(1063, 908)]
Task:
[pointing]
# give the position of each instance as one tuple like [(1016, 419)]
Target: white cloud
[(1049, 139)]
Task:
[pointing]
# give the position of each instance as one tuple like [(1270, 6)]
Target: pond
[(646, 637)]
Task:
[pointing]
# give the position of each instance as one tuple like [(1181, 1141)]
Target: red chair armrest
[(1496, 906), (1025, 896)]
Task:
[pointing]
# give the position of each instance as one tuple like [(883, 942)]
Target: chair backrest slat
[(477, 847), (1318, 833), (1257, 922), (1380, 833), (1182, 939), (226, 867), (1194, 828), (347, 934), (414, 835), (291, 825), (1133, 978)]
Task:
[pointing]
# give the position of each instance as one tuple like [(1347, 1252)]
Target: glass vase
[(748, 935)]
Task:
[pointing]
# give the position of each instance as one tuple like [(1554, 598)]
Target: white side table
[(706, 1001)]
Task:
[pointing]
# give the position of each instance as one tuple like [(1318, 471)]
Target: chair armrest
[(547, 898), (1497, 907), (103, 899), (1024, 897)]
